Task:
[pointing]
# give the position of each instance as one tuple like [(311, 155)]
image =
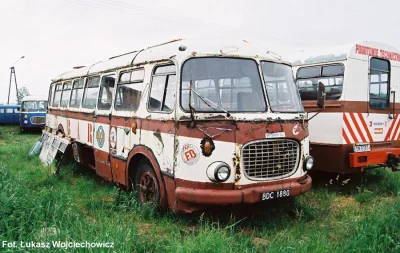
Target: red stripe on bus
[(365, 127), (346, 121), (396, 129), (358, 127), (391, 128), (345, 137)]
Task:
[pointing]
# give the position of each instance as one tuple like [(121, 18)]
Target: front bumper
[(373, 157), (241, 196)]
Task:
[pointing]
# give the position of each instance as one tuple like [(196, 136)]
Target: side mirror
[(321, 96)]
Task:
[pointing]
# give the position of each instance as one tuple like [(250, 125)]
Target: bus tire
[(147, 186)]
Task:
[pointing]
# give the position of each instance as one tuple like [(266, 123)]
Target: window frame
[(321, 76), (84, 92), (260, 76), (54, 94), (115, 74), (62, 93), (165, 86), (130, 82), (72, 89), (51, 95), (389, 71)]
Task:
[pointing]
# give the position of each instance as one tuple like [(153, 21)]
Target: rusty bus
[(187, 124), (360, 124)]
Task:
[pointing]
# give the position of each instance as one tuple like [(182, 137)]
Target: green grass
[(338, 215)]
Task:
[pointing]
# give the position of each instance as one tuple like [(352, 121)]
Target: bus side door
[(125, 126), (102, 120)]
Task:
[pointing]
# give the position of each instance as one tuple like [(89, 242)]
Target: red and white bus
[(360, 124), (188, 123)]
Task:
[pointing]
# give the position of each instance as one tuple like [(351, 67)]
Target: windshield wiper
[(208, 101)]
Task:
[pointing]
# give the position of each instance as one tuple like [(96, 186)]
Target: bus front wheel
[(147, 186)]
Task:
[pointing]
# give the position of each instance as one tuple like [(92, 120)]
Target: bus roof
[(34, 98), (172, 49), (343, 52), (9, 106)]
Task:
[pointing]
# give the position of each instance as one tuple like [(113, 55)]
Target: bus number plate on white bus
[(361, 148), (275, 194)]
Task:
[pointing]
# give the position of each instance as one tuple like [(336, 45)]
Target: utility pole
[(12, 72)]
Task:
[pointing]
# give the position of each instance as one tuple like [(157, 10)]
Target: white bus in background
[(360, 125)]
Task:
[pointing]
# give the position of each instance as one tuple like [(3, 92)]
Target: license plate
[(275, 194), (361, 148)]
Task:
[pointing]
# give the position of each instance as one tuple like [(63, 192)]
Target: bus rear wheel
[(147, 186)]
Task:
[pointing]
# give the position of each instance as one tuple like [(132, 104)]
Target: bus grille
[(269, 159), (38, 120)]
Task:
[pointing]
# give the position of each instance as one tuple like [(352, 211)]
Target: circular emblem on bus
[(190, 154), (113, 137), (100, 136)]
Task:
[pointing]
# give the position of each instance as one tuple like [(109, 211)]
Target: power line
[(126, 8)]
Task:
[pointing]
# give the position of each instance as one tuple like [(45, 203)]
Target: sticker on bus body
[(275, 135), (190, 154)]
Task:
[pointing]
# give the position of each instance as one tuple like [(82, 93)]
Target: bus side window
[(9, 110), (76, 94), (105, 94), (379, 84), (163, 87), (57, 95), (1, 110), (91, 91), (330, 75), (66, 93), (50, 98), (129, 90)]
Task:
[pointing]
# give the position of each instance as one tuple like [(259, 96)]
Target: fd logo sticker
[(100, 136), (190, 154)]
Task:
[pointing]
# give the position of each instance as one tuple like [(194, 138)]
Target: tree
[(22, 92)]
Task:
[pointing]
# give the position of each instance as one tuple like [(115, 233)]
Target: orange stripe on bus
[(365, 127), (391, 128), (345, 137), (346, 121), (358, 127), (396, 129)]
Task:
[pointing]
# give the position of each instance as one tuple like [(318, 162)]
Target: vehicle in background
[(187, 123), (33, 112), (360, 125), (9, 114)]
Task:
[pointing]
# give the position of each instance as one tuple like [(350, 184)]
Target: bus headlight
[(308, 163), (218, 172)]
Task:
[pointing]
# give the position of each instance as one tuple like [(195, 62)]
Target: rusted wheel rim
[(147, 188)]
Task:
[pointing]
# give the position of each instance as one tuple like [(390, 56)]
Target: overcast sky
[(55, 35)]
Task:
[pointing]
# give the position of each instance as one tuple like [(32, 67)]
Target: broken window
[(106, 90)]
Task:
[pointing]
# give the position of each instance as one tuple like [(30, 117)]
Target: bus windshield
[(34, 106), (217, 84), (281, 89)]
